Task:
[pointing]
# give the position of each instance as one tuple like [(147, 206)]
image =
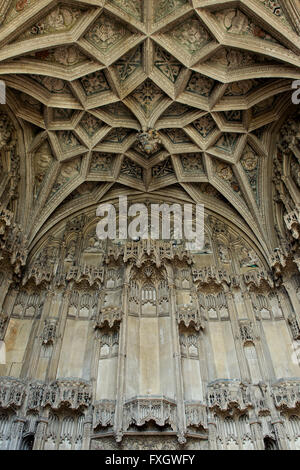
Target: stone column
[(181, 423), (236, 334), (63, 312), (35, 343), (94, 335), (264, 369), (118, 426)]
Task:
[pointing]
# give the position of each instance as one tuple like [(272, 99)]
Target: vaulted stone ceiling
[(86, 77)]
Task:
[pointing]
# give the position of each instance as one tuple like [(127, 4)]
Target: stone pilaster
[(118, 426), (181, 423)]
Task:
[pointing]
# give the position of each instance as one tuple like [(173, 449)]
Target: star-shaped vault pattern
[(86, 78)]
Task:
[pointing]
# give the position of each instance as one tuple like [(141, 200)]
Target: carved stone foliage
[(164, 8), (60, 19), (167, 65), (190, 37), (106, 33)]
